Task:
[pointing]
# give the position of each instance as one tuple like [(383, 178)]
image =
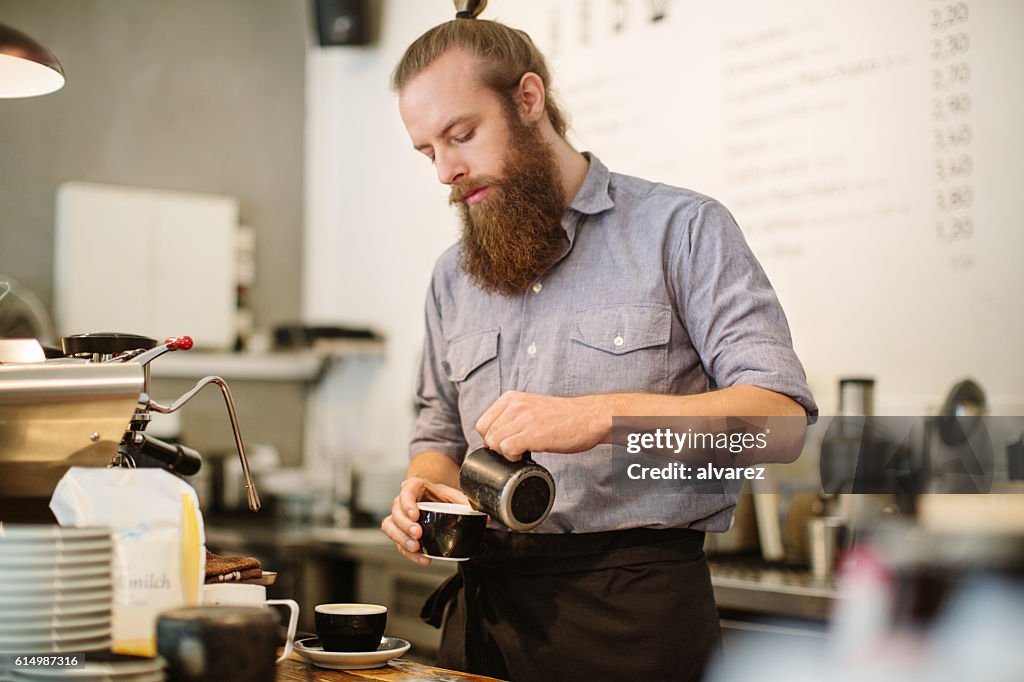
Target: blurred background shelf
[(291, 366)]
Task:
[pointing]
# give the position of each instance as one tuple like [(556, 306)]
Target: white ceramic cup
[(241, 594)]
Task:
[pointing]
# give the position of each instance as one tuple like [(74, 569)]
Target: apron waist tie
[(433, 612)]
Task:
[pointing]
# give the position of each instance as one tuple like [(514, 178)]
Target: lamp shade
[(27, 68)]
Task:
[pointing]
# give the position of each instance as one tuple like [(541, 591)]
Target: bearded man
[(574, 295)]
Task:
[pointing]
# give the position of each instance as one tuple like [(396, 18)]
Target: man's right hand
[(401, 525)]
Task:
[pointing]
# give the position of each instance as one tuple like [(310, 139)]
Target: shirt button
[(532, 350), (537, 287), (618, 341)]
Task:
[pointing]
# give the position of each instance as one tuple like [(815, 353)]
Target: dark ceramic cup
[(217, 643), (450, 531), (350, 627)]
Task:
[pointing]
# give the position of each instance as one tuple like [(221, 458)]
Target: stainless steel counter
[(754, 586)]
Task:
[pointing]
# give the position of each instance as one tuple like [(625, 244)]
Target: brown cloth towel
[(223, 569)]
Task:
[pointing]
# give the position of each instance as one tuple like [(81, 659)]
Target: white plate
[(390, 648), (40, 533), (56, 603), (56, 558), (50, 620), (54, 588), (54, 623), (49, 627), (72, 634), (77, 606), (77, 543), (68, 647), (446, 558), (22, 574), (50, 546), (91, 673), (103, 666), (73, 674), (84, 675)]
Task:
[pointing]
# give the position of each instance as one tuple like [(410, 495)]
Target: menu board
[(872, 153)]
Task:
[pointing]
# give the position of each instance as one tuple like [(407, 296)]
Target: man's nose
[(450, 168)]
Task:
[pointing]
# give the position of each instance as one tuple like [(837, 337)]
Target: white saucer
[(390, 647), (446, 558)]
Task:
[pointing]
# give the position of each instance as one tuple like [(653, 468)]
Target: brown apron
[(618, 605)]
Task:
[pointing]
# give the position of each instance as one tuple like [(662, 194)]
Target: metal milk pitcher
[(518, 494)]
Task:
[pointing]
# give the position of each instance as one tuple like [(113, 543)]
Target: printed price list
[(953, 163)]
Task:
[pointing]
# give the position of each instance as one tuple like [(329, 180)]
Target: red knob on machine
[(179, 342)]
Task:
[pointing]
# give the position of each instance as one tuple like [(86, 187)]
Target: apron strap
[(433, 610), (468, 580)]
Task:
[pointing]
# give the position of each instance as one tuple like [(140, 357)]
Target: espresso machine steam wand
[(174, 457)]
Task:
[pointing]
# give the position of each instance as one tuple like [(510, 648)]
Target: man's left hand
[(528, 422)]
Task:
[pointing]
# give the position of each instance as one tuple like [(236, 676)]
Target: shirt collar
[(593, 196)]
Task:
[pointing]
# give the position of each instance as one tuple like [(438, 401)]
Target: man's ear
[(532, 97)]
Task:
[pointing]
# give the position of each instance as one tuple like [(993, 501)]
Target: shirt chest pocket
[(619, 348), (472, 365)]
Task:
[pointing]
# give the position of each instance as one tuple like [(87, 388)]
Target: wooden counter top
[(398, 670)]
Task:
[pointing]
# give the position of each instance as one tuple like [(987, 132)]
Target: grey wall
[(269, 413), (187, 95)]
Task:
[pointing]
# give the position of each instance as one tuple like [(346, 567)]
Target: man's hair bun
[(469, 9)]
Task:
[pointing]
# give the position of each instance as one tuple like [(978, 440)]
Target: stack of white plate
[(101, 667), (56, 590)]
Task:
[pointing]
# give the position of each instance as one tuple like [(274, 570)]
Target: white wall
[(769, 107), (376, 219)]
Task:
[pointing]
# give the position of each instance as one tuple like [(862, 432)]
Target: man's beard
[(515, 234)]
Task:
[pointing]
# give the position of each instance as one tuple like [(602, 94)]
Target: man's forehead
[(447, 88), (453, 64)]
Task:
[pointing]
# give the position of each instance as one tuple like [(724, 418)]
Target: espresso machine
[(88, 405)]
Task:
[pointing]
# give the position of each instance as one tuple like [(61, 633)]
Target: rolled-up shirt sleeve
[(438, 427), (732, 314)]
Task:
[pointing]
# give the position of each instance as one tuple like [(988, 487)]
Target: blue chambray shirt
[(656, 292)]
